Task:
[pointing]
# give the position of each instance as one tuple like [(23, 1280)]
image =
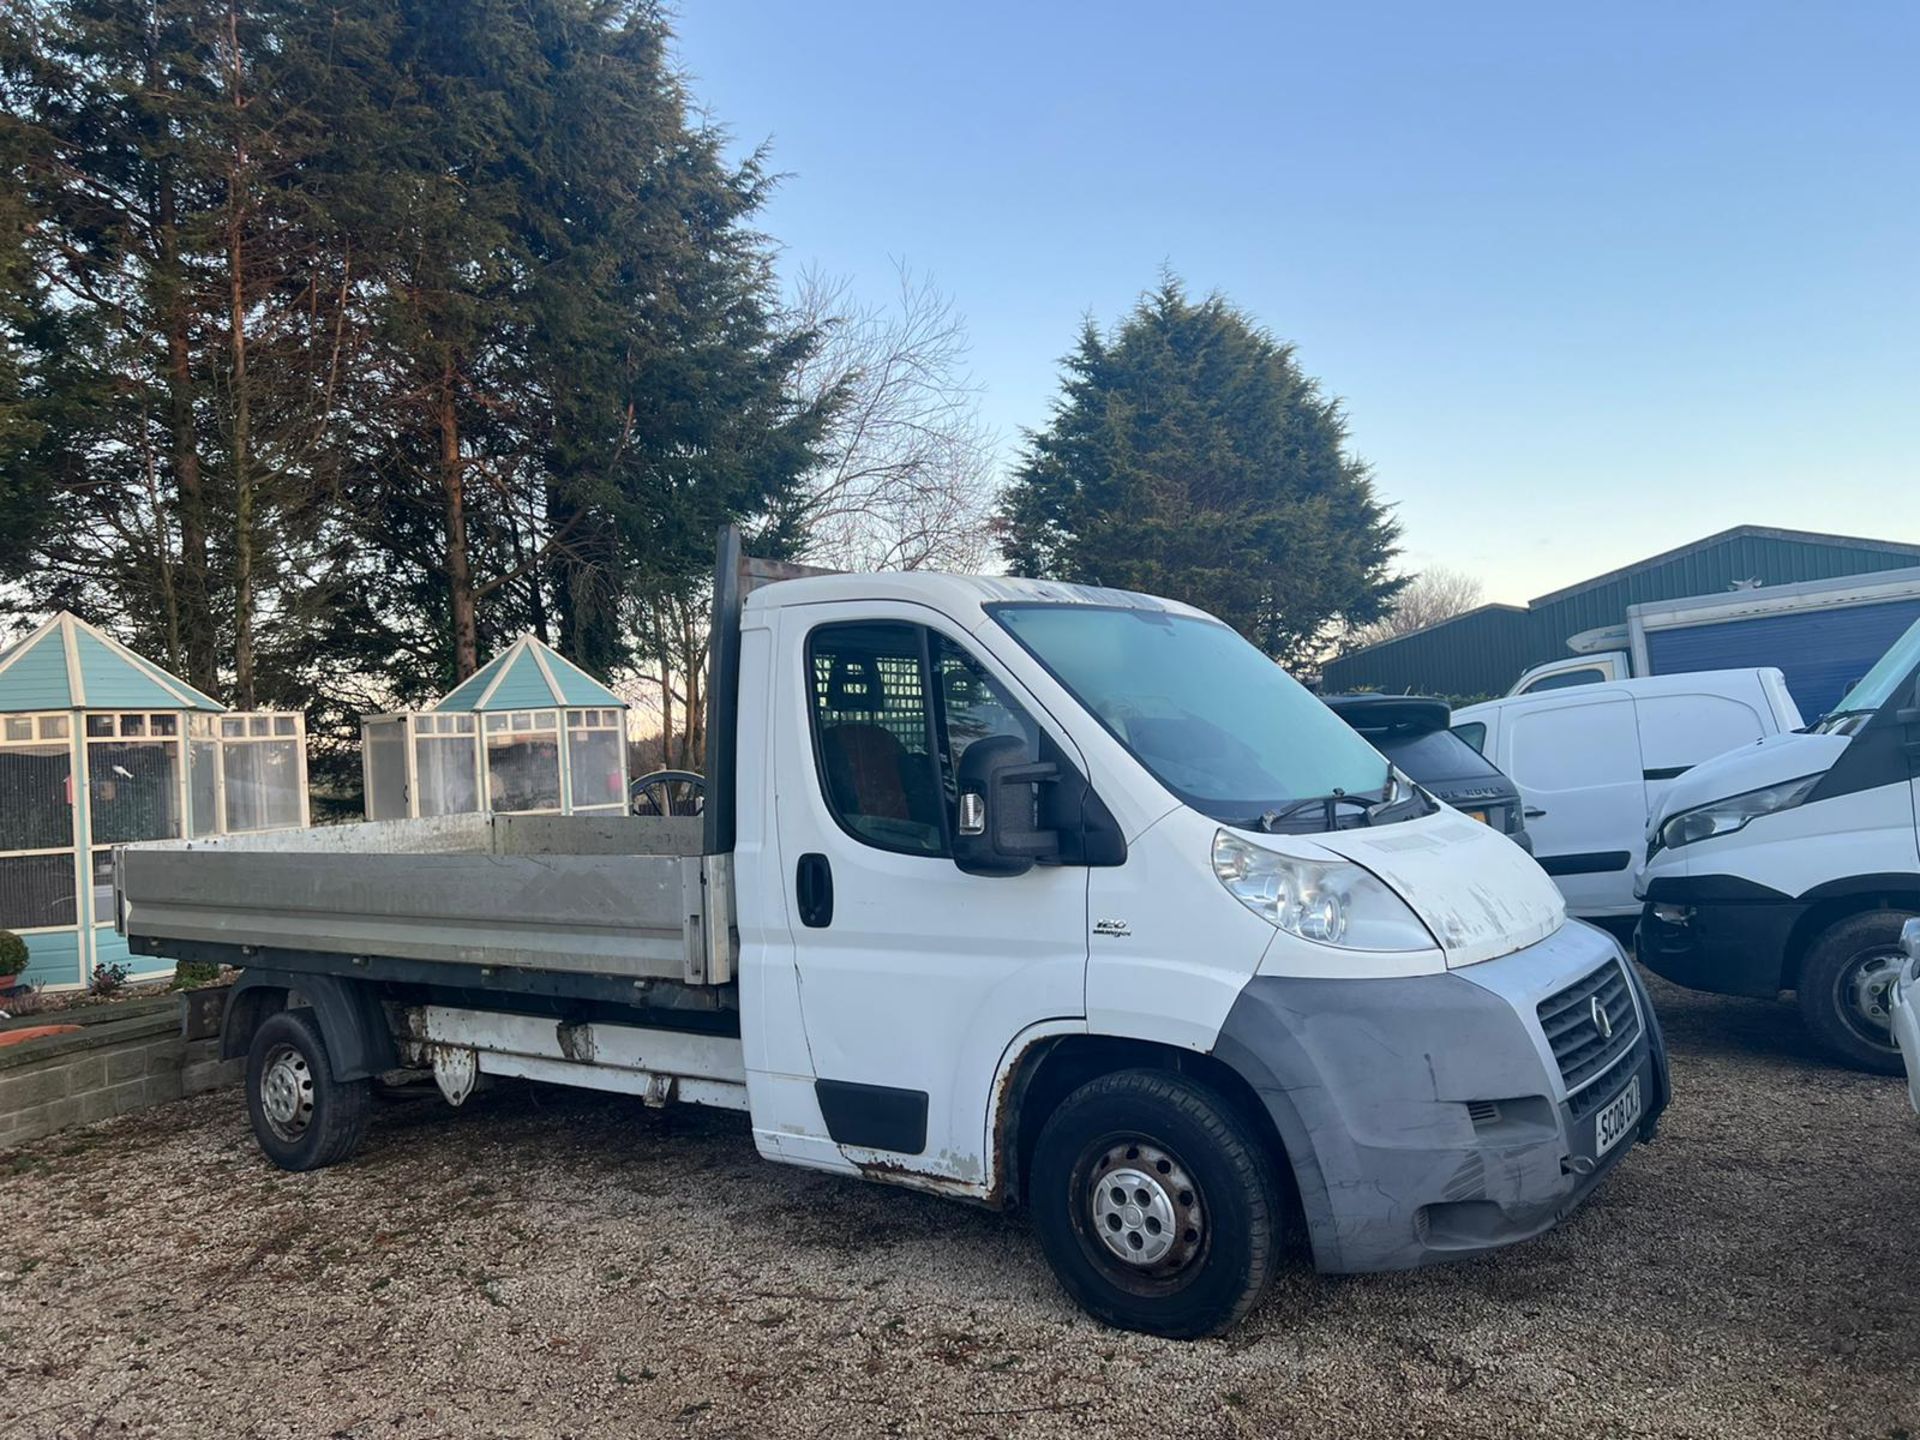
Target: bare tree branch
[(906, 482), (1430, 597)]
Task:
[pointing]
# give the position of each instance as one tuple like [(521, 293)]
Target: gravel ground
[(548, 1263)]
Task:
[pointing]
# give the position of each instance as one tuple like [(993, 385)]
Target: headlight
[(1335, 903), (1723, 817)]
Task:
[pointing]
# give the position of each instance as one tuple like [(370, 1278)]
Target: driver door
[(914, 976)]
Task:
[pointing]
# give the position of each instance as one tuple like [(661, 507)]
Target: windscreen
[(1210, 717), (1876, 687)]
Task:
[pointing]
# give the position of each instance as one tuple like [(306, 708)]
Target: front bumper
[(1716, 933), (1427, 1118), (1906, 1029)]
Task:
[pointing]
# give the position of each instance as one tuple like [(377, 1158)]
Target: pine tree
[(1189, 456), (338, 343)]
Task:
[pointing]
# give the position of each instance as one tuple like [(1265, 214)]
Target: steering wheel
[(669, 792)]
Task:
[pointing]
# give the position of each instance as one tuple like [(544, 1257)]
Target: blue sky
[(1592, 281)]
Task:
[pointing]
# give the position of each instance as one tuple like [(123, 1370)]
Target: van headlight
[(1723, 817), (1332, 903)]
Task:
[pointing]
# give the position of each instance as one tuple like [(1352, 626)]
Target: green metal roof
[(68, 665), (1482, 652), (528, 675)]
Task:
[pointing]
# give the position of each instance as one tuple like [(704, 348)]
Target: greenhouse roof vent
[(67, 664), (528, 675)]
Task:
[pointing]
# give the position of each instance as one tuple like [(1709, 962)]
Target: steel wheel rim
[(1142, 1210), (1864, 992), (286, 1093)]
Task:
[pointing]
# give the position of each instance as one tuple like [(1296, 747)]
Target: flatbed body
[(628, 898)]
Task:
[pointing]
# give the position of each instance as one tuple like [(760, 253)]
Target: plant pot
[(9, 983)]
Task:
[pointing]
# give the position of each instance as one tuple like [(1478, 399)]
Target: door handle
[(813, 891), (1532, 814)]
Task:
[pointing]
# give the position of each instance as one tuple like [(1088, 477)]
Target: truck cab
[(1574, 670), (1018, 892), (1792, 865)]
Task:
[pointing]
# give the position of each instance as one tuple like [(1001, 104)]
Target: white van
[(1795, 866), (1018, 892), (1594, 761)]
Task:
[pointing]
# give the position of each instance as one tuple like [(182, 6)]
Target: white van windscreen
[(1210, 717)]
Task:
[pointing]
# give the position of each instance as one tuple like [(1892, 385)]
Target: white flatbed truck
[(1018, 892)]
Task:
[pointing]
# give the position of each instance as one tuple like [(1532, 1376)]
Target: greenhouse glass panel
[(36, 808), (134, 790), (263, 783), (444, 774), (598, 759), (523, 771), (36, 891), (383, 750), (103, 887), (203, 786)]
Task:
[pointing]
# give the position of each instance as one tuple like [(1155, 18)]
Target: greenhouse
[(529, 732), (98, 748)]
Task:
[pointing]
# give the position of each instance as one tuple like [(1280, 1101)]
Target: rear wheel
[(1156, 1205), (302, 1117), (1846, 982)]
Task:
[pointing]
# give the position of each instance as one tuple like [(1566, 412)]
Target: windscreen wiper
[(1270, 820), (1819, 726)]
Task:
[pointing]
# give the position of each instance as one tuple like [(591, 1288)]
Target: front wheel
[(1156, 1205), (302, 1117), (1846, 984)]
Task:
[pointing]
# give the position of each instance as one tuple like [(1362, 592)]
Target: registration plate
[(1619, 1117)]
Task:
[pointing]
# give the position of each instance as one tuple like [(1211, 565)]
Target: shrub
[(191, 974), (108, 979), (13, 953)]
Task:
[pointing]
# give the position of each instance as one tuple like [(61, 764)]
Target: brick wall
[(123, 1057)]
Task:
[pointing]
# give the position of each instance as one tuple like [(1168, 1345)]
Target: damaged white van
[(1018, 892), (1794, 863)]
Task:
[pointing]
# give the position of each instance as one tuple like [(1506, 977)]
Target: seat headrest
[(854, 684)]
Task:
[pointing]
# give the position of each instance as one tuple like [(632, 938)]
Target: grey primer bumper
[(1426, 1118)]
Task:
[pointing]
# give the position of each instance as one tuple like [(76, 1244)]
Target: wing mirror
[(998, 830)]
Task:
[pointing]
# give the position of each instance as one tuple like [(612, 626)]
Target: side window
[(972, 707), (889, 743), (1474, 732), (873, 734)]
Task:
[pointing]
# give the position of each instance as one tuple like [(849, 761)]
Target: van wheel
[(1156, 1205), (302, 1117), (1846, 981)]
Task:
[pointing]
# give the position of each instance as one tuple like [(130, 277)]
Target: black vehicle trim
[(875, 1117), (1597, 862)]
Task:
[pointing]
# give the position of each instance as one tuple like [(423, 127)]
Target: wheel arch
[(1052, 1067), (1829, 904), (352, 1021)]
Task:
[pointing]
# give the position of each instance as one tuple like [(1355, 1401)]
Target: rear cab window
[(1435, 755), (1561, 680)]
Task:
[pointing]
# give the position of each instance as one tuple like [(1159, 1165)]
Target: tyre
[(1845, 980), (302, 1117), (1156, 1205)]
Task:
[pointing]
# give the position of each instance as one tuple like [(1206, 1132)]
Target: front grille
[(1580, 1045)]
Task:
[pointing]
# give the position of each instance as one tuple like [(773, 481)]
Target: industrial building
[(1482, 652)]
